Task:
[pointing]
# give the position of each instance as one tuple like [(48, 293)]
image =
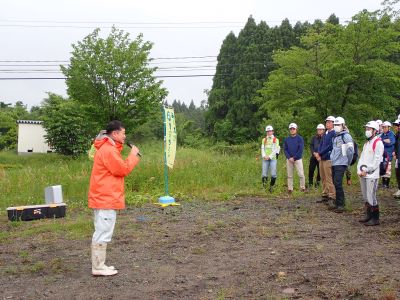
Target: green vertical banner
[(169, 152), (170, 136)]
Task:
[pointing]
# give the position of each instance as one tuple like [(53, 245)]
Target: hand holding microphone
[(135, 150)]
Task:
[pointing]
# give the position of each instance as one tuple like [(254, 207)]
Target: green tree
[(68, 130), (339, 70), (391, 8), (333, 19), (244, 63), (221, 92), (8, 123), (112, 78)]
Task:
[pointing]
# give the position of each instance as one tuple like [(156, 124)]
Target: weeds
[(36, 267), (69, 228), (220, 173)]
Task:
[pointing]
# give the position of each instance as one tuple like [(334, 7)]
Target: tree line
[(264, 75), (303, 74)]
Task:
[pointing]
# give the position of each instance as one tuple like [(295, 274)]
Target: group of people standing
[(333, 151)]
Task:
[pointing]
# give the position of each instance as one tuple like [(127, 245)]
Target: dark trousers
[(398, 177), (314, 164), (338, 174)]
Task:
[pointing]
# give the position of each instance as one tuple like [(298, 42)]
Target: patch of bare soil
[(248, 248)]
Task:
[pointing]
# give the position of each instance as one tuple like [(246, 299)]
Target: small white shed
[(31, 137)]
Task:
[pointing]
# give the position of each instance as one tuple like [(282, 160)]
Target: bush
[(68, 131)]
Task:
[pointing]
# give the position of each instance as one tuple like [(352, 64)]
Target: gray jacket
[(343, 149)]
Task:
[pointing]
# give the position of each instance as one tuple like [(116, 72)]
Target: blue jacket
[(325, 147), (315, 142), (337, 157), (389, 147), (294, 146)]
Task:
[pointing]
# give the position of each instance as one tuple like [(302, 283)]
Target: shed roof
[(29, 122)]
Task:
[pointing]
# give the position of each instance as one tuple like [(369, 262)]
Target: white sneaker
[(397, 194)]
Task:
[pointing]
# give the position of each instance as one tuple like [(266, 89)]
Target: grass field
[(219, 174), (207, 248)]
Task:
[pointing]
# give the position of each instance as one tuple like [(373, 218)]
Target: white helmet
[(330, 118), (293, 125), (373, 125), (387, 123), (397, 122), (320, 126), (269, 128), (379, 122), (339, 121)]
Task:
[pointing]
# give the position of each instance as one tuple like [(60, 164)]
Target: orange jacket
[(106, 190)]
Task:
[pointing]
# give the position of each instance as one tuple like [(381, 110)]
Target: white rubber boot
[(98, 260), (397, 194), (105, 257)]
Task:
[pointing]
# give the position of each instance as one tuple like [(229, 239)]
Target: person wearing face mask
[(388, 138), (341, 157), (368, 170), (325, 165), (269, 151), (396, 155)]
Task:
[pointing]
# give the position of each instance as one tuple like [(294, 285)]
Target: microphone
[(130, 146)]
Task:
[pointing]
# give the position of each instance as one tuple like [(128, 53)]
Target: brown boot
[(324, 199), (332, 204), (368, 216), (374, 217)]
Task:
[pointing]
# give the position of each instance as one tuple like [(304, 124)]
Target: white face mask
[(337, 128), (368, 134)]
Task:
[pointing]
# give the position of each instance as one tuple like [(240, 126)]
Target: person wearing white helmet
[(389, 139), (325, 164), (396, 155), (341, 157), (368, 169), (294, 146), (314, 163), (269, 150)]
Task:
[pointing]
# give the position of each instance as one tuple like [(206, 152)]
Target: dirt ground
[(247, 248)]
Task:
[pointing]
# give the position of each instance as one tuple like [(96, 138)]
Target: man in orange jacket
[(106, 191)]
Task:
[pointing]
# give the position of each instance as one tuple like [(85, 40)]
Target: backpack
[(384, 165), (355, 154)]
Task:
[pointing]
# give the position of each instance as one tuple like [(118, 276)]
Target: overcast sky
[(43, 30)]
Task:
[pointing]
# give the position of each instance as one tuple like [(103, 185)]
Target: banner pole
[(167, 200), (165, 154)]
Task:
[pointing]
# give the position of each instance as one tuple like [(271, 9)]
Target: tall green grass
[(214, 174)]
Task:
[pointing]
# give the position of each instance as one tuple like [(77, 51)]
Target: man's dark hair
[(113, 126)]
